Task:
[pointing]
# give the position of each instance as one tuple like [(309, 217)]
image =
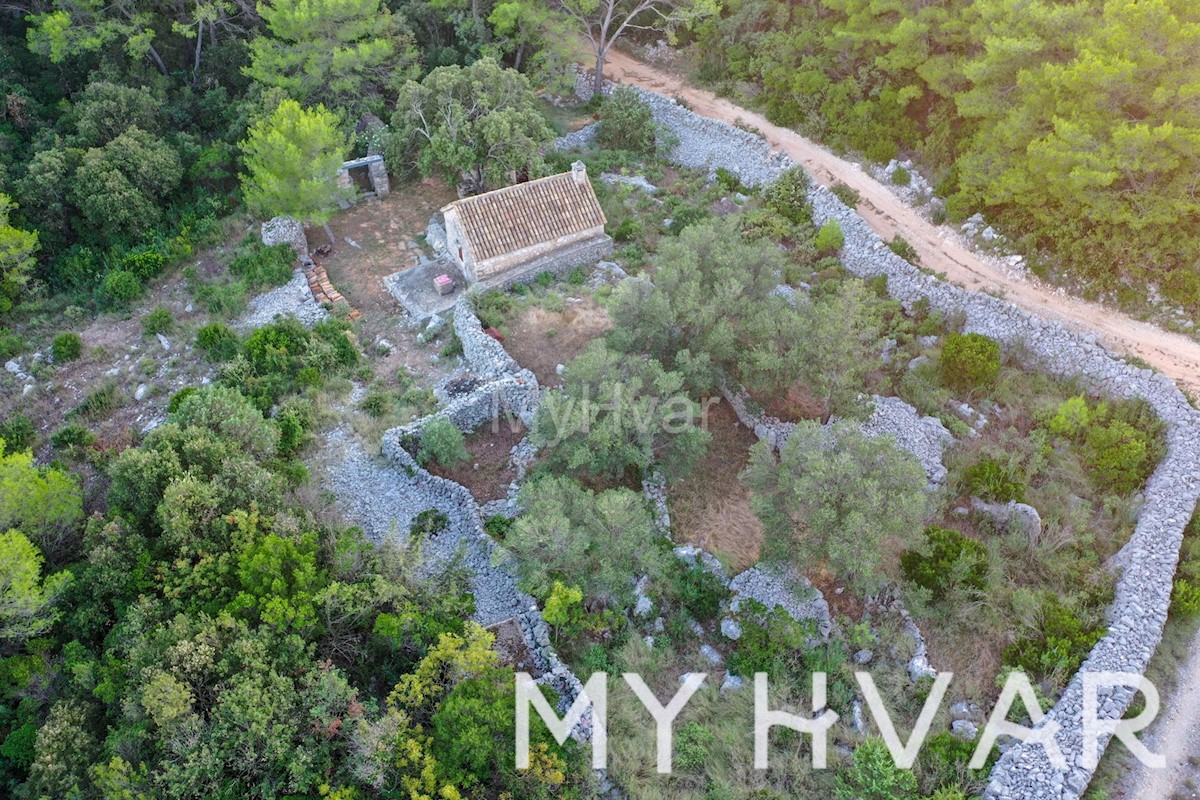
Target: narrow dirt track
[(1175, 735), (1176, 356)]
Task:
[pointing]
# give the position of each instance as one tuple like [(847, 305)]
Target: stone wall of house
[(557, 262), (455, 243), (1139, 609), (492, 267)]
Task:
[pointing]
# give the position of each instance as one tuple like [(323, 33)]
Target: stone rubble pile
[(293, 298), (925, 437), (285, 230)]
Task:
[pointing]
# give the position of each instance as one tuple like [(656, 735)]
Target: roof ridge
[(511, 187), (516, 217)]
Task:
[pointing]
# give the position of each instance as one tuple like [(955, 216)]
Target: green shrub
[(158, 321), (1118, 456), (218, 341), (847, 195), (377, 404), (420, 398), (71, 436), (628, 230), (687, 215), (544, 280), (11, 344), (700, 592), (261, 266), (969, 361), (627, 123), (493, 308), (453, 346), (98, 403), (875, 776), (788, 195), (900, 246), (443, 444), (949, 560), (1059, 645), (497, 526), (177, 399), (771, 642), (829, 239), (901, 177), (727, 180), (66, 347), (1071, 418), (1185, 598), (943, 763), (693, 742), (222, 299), (1182, 287), (294, 420), (990, 480), (429, 523), (119, 289), (18, 433), (145, 264)]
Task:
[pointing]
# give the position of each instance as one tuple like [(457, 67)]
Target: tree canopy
[(476, 125), (837, 496), (292, 159)]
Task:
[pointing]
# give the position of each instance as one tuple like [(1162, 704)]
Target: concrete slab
[(413, 288)]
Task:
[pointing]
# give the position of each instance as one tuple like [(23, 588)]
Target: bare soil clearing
[(386, 231), (383, 229), (711, 507), (540, 340), (939, 247), (487, 473)]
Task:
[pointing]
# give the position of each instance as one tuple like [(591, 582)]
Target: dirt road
[(1176, 356), (1175, 735)]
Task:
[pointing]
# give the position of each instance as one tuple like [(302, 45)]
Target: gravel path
[(1175, 734), (384, 500)]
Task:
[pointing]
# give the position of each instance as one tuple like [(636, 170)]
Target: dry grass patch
[(711, 507), (540, 340)]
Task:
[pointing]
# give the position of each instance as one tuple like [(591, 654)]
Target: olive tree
[(835, 495), (598, 541)]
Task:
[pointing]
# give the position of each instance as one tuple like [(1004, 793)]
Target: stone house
[(552, 224)]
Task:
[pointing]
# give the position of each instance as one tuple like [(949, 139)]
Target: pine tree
[(292, 158)]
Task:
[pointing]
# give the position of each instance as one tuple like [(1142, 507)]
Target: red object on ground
[(495, 334)]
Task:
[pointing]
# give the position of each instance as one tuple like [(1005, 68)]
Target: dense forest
[(1076, 124)]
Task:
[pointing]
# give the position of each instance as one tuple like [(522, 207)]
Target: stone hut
[(552, 224)]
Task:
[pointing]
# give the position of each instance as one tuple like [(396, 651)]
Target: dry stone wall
[(1139, 609), (504, 386)]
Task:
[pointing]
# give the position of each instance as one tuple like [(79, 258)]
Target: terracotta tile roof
[(526, 214)]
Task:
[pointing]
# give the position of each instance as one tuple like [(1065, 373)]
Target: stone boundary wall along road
[(1139, 610)]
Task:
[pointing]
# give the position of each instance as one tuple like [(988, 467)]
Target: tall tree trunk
[(598, 80), (157, 59), (329, 233), (199, 48)]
